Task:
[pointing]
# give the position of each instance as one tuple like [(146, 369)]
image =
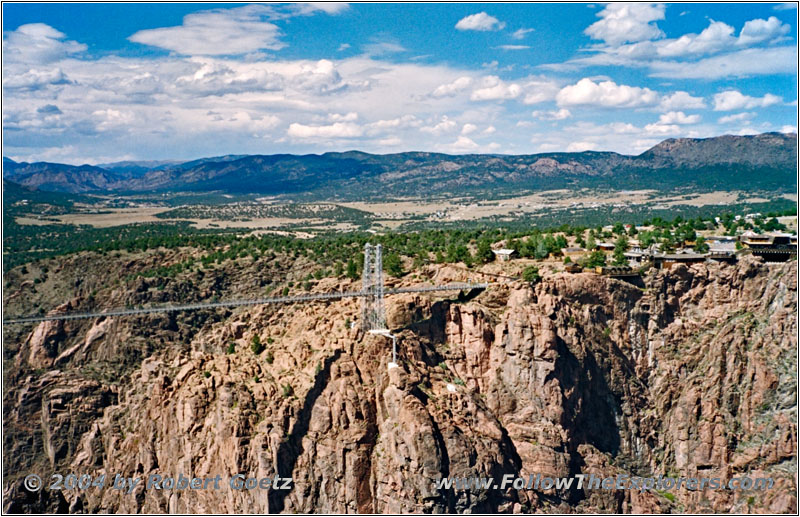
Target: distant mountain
[(60, 177), (767, 161), (135, 169)]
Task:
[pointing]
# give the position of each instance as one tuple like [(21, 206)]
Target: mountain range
[(758, 162)]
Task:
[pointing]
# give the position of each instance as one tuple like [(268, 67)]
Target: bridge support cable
[(236, 303)]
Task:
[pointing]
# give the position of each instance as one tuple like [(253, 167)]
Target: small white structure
[(386, 333), (504, 254)]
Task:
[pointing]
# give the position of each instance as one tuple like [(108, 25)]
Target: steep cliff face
[(691, 375)]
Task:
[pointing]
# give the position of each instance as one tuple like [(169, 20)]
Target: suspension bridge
[(372, 294)]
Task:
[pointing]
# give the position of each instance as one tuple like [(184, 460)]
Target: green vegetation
[(256, 346), (531, 274), (470, 243), (231, 348), (288, 391)]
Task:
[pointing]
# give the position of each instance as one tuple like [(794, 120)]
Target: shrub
[(269, 357), (288, 391), (231, 348), (206, 374), (531, 274), (256, 345)]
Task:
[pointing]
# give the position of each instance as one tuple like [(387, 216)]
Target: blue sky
[(93, 83)]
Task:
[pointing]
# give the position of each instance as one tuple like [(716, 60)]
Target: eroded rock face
[(691, 376)]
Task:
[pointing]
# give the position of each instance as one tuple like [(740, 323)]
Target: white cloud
[(450, 89), (561, 114), (681, 100), (715, 37), (738, 117), (468, 128), (35, 78), (661, 129), (511, 47), (742, 63), (463, 143), (605, 94), (217, 32), (445, 126), (493, 88), (788, 129), (520, 33), (489, 130), (390, 142), (785, 6), (627, 22), (760, 30), (733, 100), (37, 43), (678, 117), (380, 48), (336, 130), (480, 22), (327, 7), (351, 116), (406, 121), (343, 46), (540, 91), (577, 147)]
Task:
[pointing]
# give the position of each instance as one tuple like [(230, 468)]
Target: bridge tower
[(373, 312)]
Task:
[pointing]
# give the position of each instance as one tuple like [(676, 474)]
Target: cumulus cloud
[(38, 43), (335, 130), (445, 126), (577, 147), (661, 129), (737, 117), (34, 79), (450, 89), (733, 100), (537, 91), (480, 22), (630, 37), (561, 114), (493, 88), (463, 143), (681, 100), (217, 32), (678, 117), (605, 94), (715, 37), (760, 30), (468, 128), (621, 23)]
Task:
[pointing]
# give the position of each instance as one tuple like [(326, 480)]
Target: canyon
[(691, 373)]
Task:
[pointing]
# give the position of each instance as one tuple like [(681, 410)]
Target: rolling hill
[(758, 162)]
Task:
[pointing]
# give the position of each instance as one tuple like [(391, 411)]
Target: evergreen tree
[(352, 269), (392, 264), (620, 247)]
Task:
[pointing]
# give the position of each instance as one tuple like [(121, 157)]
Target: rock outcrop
[(693, 375)]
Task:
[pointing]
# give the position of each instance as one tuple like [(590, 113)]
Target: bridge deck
[(238, 303)]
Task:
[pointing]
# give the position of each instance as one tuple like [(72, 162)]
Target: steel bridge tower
[(373, 312)]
